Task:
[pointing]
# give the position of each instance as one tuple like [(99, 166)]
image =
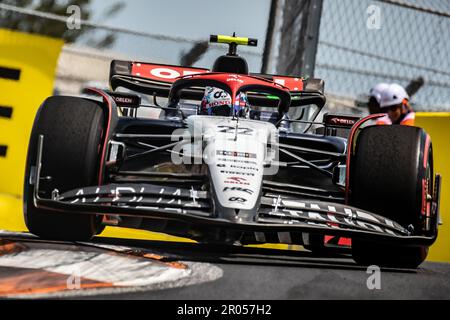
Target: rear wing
[(157, 79)]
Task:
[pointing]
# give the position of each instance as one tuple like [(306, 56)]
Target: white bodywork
[(236, 151)]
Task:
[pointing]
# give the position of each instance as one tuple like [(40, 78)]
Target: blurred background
[(351, 44)]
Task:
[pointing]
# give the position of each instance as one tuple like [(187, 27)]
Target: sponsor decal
[(244, 167), (136, 196), (218, 103), (239, 189), (236, 154), (237, 199), (237, 161), (340, 121), (123, 100), (237, 180), (331, 219), (343, 121), (294, 84), (424, 196), (235, 78), (163, 72), (238, 173)]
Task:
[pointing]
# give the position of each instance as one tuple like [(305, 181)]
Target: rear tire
[(387, 172), (72, 129)]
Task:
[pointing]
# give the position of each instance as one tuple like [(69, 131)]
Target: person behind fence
[(375, 97), (395, 102)]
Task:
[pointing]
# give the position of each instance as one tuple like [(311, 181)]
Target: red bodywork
[(236, 81), (169, 74)]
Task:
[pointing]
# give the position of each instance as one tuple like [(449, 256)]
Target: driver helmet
[(218, 102)]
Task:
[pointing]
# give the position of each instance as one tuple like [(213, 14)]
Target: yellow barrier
[(30, 63), (438, 127), (27, 69)]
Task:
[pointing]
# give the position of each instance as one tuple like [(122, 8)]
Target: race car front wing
[(276, 214)]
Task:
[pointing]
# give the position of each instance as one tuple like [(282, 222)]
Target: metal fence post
[(292, 37)]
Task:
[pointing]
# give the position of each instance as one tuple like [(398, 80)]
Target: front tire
[(72, 129), (389, 171)]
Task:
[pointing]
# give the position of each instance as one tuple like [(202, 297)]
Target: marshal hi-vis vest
[(408, 120)]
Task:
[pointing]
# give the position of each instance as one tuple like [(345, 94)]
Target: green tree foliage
[(57, 29)]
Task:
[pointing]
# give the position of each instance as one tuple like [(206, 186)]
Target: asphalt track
[(255, 273)]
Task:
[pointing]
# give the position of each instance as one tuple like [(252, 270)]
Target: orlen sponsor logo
[(342, 121), (237, 180), (124, 100)]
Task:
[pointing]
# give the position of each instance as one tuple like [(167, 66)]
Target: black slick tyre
[(72, 128), (390, 174)]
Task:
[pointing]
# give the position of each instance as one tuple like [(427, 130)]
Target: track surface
[(250, 273), (254, 273)]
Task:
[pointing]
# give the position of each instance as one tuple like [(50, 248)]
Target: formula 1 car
[(273, 174)]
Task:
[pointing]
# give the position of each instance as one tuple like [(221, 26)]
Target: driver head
[(219, 103), (216, 102)]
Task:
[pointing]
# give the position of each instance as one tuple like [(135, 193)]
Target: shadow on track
[(228, 254)]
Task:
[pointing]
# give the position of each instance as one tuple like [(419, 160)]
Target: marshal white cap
[(378, 90), (392, 95)]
